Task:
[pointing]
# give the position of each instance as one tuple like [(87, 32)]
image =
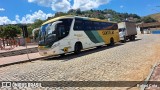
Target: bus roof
[(57, 18), (70, 16)]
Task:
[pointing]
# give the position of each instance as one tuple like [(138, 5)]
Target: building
[(148, 27)]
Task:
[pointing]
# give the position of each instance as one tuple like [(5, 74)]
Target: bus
[(66, 34)]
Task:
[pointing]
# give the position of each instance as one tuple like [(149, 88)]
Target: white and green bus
[(73, 33)]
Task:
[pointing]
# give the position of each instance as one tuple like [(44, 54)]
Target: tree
[(37, 23), (134, 16), (101, 16), (11, 31), (148, 20), (2, 35), (78, 11), (58, 14), (2, 32), (71, 11)]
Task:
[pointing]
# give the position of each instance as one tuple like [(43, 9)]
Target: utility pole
[(25, 35)]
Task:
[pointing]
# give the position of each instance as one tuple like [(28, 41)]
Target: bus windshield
[(45, 30), (54, 31)]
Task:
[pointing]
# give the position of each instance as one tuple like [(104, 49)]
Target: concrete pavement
[(5, 61), (18, 55)]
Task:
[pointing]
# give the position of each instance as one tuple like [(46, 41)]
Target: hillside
[(156, 16), (102, 14)]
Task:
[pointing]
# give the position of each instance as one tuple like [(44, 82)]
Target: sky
[(27, 11)]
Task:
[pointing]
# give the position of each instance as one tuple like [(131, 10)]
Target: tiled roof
[(149, 24)]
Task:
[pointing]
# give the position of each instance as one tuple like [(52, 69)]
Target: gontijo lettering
[(107, 32)]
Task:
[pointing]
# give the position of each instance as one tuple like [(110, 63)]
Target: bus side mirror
[(25, 31)]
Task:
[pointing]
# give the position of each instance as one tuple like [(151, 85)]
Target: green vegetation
[(9, 31), (155, 16), (36, 24), (102, 14), (148, 19)]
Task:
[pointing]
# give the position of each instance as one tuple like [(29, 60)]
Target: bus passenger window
[(78, 25)]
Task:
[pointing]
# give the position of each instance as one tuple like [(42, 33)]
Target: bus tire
[(78, 47), (62, 55), (111, 42)]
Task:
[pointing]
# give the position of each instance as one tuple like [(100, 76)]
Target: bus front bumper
[(48, 51)]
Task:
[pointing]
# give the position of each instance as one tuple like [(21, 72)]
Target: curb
[(149, 76), (24, 61)]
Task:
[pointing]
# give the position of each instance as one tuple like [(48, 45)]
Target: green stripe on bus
[(91, 36), (97, 36)]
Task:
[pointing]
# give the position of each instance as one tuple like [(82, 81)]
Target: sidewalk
[(5, 61), (154, 79), (20, 55), (20, 50)]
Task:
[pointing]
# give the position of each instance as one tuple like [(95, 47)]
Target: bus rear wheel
[(77, 48), (111, 42)]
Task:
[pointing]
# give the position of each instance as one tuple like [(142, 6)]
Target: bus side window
[(78, 25)]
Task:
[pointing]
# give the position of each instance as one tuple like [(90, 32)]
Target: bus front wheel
[(77, 48)]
